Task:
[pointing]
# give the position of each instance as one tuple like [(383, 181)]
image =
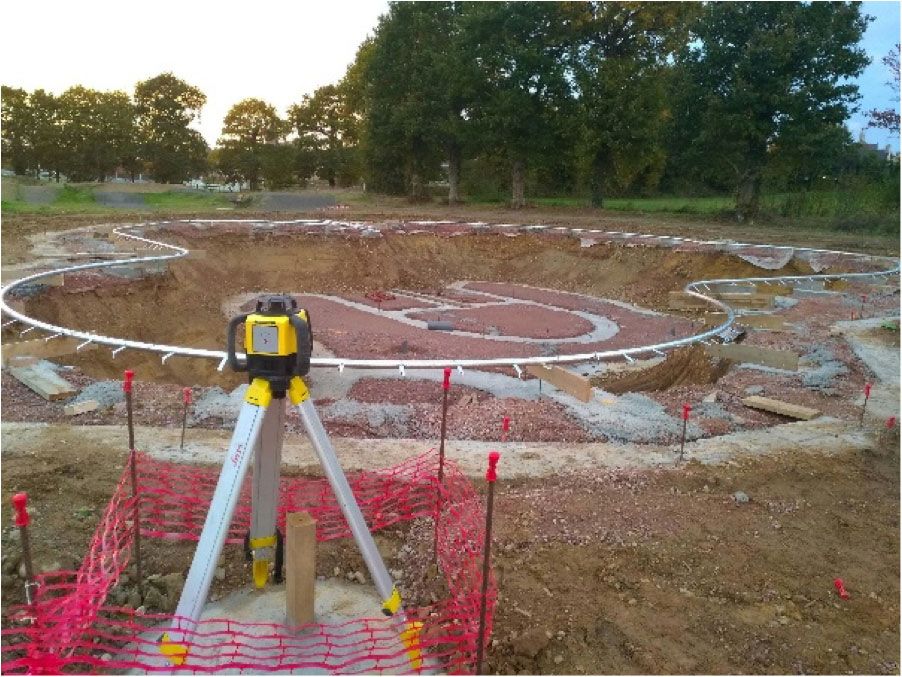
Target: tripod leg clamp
[(297, 390), (259, 393)]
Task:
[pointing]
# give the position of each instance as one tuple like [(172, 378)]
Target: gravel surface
[(512, 320)]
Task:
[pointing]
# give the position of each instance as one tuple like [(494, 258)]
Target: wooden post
[(300, 567)]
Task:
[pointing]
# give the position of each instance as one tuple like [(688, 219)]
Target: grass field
[(83, 199)]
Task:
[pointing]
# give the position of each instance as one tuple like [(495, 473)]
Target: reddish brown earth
[(511, 320)]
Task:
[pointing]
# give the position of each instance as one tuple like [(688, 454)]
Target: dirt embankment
[(183, 305), (686, 366)]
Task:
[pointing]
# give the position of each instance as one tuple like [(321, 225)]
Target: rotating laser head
[(278, 341)]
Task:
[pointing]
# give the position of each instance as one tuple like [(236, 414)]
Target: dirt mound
[(686, 366)]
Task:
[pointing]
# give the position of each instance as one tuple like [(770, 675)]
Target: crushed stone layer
[(520, 459)]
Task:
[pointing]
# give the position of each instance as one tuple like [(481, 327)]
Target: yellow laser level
[(278, 342)]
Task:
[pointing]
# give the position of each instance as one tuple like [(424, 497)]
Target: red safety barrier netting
[(69, 628)]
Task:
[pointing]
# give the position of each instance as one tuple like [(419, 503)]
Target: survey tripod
[(278, 343)]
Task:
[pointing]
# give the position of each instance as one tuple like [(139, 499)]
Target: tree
[(46, 131), (889, 118), (522, 104), (97, 132), (756, 70), (15, 119), (405, 97), (250, 129), (620, 55), (328, 128), (165, 107)]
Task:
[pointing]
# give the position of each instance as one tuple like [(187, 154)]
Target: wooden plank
[(773, 289), (82, 407), (782, 408), (41, 348), (740, 300), (772, 322), (300, 567), (680, 300), (44, 382), (778, 359), (566, 380)]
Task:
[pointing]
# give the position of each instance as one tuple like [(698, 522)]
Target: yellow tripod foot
[(176, 653), (261, 572)]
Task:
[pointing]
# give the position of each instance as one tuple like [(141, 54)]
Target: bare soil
[(644, 571)]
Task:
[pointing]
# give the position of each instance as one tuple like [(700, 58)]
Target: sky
[(275, 50), (269, 49)]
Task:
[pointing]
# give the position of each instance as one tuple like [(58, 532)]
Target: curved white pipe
[(168, 351)]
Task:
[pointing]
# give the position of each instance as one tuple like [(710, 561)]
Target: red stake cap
[(446, 384), (686, 410), (891, 422), (867, 389), (186, 393), (491, 475), (506, 424), (127, 383), (20, 500)]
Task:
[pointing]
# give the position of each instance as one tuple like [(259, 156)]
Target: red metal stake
[(133, 469), (186, 397), (491, 476), (446, 386), (686, 410), (20, 503), (867, 396), (505, 428)]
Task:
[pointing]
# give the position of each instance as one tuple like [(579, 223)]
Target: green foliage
[(251, 132), (756, 74), (165, 106), (405, 97), (97, 132), (328, 133)]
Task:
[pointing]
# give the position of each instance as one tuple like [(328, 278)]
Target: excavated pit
[(186, 303)]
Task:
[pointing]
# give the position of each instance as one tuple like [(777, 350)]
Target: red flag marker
[(446, 384), (20, 502), (186, 395), (686, 410), (891, 423), (867, 396), (840, 588), (505, 428), (127, 383)]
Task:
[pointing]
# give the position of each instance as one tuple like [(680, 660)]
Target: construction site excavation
[(698, 443)]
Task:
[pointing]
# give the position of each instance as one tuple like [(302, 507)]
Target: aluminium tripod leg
[(265, 496), (219, 517), (300, 396)]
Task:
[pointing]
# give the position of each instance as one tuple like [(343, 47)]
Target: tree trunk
[(332, 181), (599, 171), (518, 184), (416, 187), (747, 194), (453, 174)]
